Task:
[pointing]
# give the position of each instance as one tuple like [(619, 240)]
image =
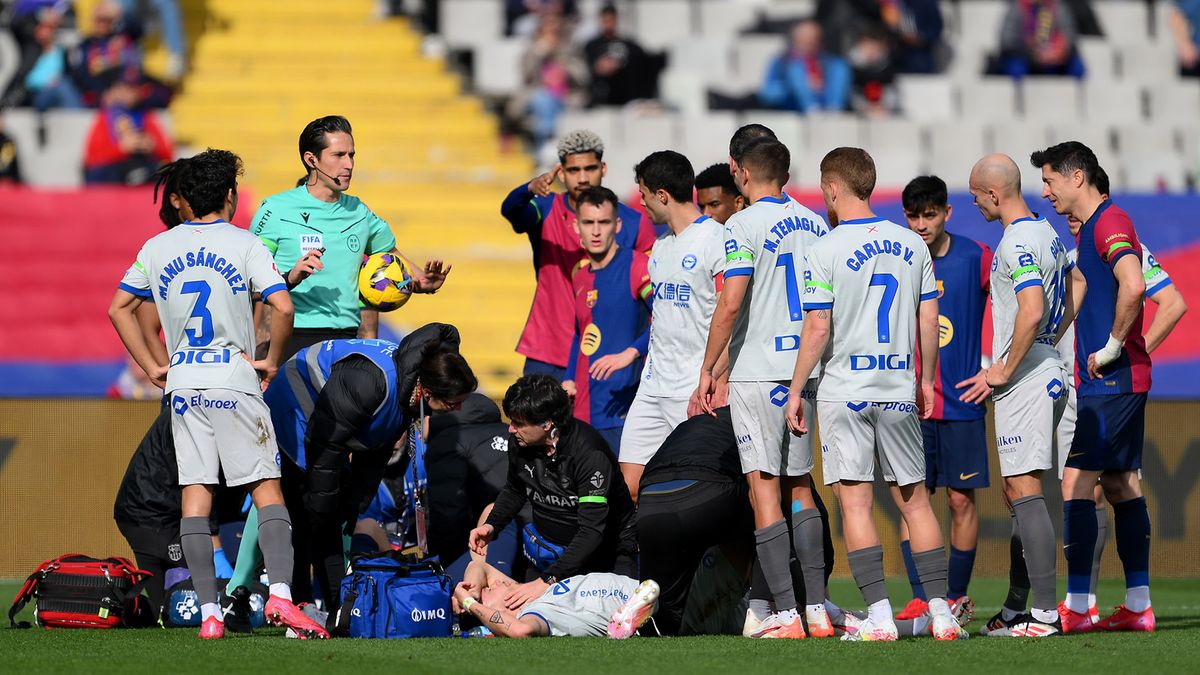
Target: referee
[(317, 230)]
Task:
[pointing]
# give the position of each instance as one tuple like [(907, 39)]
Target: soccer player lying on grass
[(584, 605)]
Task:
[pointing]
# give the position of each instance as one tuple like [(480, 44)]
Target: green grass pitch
[(1174, 648)]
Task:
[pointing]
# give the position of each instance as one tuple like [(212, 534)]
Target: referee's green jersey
[(292, 223)]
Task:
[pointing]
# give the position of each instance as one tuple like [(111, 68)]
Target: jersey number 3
[(202, 337)]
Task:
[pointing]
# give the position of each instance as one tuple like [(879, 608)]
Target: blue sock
[(1131, 522), (914, 579), (961, 564), (1079, 543)]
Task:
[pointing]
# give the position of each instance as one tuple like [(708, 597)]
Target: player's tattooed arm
[(496, 619)]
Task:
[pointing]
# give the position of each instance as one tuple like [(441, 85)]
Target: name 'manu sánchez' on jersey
[(787, 226), (201, 258), (873, 248)]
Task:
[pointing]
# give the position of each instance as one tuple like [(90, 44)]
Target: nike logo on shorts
[(1075, 454), (967, 476)]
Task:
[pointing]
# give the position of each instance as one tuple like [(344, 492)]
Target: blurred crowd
[(64, 63)]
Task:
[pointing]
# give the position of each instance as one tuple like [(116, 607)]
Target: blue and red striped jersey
[(1104, 239), (612, 313), (962, 281)]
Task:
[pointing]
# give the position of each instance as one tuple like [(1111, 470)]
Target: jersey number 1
[(200, 311), (795, 310)]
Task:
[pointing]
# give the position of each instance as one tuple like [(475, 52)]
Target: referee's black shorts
[(306, 337), (676, 523)]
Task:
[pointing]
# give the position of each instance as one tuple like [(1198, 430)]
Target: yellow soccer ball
[(384, 282)]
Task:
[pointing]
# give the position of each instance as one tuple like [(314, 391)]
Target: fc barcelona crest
[(592, 296)]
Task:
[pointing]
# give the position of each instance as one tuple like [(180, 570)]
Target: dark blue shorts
[(1109, 433), (956, 454), (535, 367)]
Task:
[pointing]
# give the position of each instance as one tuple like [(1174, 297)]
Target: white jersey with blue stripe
[(768, 242), (1030, 255), (201, 278), (873, 275)]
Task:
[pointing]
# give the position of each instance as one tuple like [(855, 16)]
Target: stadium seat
[(642, 133), (1098, 137), (709, 56), (953, 148), (601, 121), (752, 53), (896, 145), (1124, 22), (1114, 102), (466, 23), (724, 17), (659, 23), (1179, 102), (789, 128), (1149, 63), (705, 137), (497, 67), (1146, 141), (10, 58), (1018, 140), (979, 23), (1150, 159), (58, 163), (1165, 173), (1046, 99), (825, 132), (684, 90), (988, 99), (789, 10), (1099, 57), (926, 98), (967, 64)]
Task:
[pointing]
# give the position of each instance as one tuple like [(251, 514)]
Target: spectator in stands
[(170, 26), (619, 68), (806, 78), (112, 43), (522, 17), (48, 81), (555, 77), (917, 28), (1038, 38), (126, 144), (10, 170), (874, 66), (1185, 28)]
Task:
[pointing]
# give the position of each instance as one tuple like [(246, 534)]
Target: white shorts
[(649, 421), (854, 433), (1026, 418), (221, 430), (763, 440)]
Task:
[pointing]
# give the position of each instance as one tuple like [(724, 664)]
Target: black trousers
[(155, 550), (676, 528), (306, 337)]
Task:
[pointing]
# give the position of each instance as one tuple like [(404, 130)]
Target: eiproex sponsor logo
[(199, 401), (880, 361), (201, 357), (1008, 443), (554, 500), (418, 615)]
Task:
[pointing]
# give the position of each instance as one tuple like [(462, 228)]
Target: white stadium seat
[(1149, 63), (601, 121), (705, 137), (498, 66), (1050, 98), (980, 22), (1177, 102), (752, 53), (725, 17), (1114, 102), (926, 98), (643, 133), (988, 99), (1124, 22), (1098, 137), (1099, 57), (58, 163), (708, 56), (466, 23), (1018, 140), (953, 148), (658, 23), (789, 128)]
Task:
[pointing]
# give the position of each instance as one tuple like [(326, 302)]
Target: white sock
[(1044, 615), (815, 613), (1008, 614), (1078, 602), (1091, 601), (939, 606), (1137, 599), (211, 610), (282, 590), (835, 613), (788, 615), (761, 609), (880, 613)]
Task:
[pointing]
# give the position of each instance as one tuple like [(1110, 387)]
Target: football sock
[(1037, 534), (245, 568), (880, 613), (1044, 615), (866, 564), (761, 609), (1131, 523), (198, 552), (275, 538), (806, 538), (281, 590), (914, 579), (1079, 545), (1101, 539), (835, 613), (961, 565), (760, 593), (211, 610), (1018, 575), (931, 567), (774, 553), (826, 535)]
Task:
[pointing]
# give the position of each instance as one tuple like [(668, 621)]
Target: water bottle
[(478, 632)]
